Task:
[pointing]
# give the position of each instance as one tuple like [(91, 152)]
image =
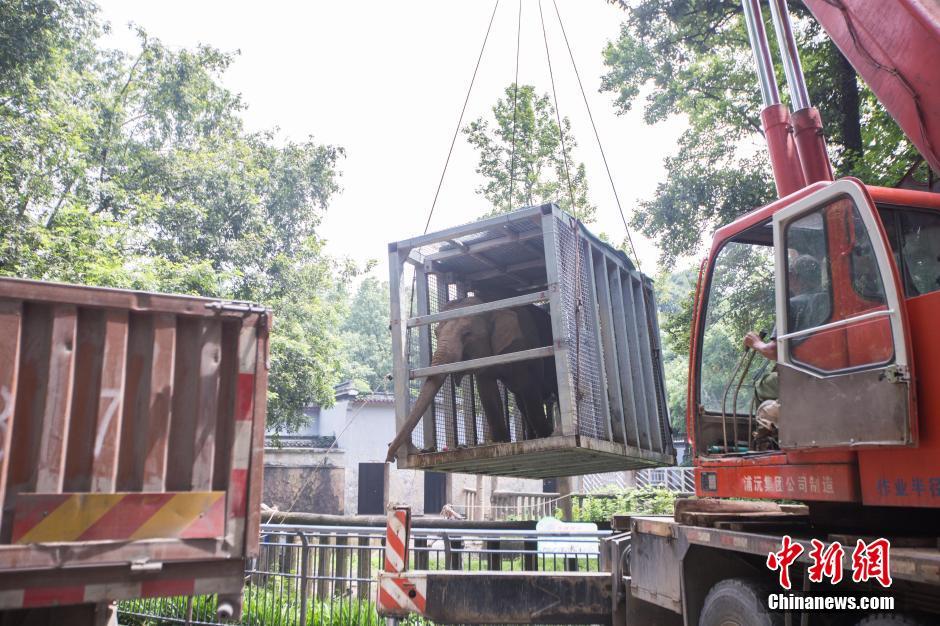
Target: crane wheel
[(738, 602)]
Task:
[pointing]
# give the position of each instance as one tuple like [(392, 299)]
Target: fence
[(523, 505), (591, 483), (472, 511), (324, 575), (516, 505), (678, 479)]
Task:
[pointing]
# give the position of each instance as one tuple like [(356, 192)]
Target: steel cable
[(597, 136), (515, 94), (453, 141)]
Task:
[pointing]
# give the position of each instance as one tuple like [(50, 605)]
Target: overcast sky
[(386, 80)]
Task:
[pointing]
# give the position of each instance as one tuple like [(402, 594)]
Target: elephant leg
[(534, 414), (525, 409), (492, 407), (527, 386)]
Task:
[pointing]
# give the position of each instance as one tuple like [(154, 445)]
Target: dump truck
[(817, 492), (132, 438)]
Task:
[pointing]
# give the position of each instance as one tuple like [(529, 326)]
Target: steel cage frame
[(628, 395)]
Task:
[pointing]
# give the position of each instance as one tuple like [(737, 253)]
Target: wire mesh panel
[(588, 343), (577, 310)]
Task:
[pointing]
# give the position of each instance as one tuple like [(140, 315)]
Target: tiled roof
[(376, 398), (300, 441)]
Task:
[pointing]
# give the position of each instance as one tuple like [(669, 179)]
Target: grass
[(270, 605)]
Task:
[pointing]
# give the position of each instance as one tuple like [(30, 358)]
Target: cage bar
[(609, 412)]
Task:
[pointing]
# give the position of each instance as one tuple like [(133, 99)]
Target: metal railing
[(678, 479), (325, 575), (523, 505), (591, 483)]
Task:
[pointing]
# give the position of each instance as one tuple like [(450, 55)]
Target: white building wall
[(363, 431)]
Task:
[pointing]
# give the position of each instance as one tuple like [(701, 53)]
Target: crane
[(843, 417)]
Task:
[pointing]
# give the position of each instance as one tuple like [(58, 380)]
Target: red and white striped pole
[(397, 593), (397, 536)]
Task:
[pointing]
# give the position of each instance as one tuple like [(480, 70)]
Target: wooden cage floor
[(551, 457)]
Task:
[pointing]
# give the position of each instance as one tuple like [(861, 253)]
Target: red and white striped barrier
[(398, 593), (241, 445), (397, 535)]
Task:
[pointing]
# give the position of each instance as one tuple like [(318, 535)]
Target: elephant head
[(482, 335)]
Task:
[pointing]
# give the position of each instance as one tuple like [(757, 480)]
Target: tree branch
[(133, 119), (119, 99), (58, 204), (752, 122)]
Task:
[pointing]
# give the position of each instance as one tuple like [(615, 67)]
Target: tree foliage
[(135, 170), (520, 149), (601, 506), (366, 339), (674, 292), (690, 58)]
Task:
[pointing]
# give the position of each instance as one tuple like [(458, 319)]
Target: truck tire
[(889, 619), (738, 602)]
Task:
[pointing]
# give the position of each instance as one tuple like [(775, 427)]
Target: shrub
[(639, 501)]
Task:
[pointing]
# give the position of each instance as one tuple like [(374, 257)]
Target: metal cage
[(610, 413)]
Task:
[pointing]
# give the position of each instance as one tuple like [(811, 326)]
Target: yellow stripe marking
[(182, 510), (73, 517)]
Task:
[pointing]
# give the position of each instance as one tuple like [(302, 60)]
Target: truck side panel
[(131, 427)]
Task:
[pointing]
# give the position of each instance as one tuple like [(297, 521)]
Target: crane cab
[(844, 279)]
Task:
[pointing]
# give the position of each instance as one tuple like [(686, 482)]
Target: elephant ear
[(508, 333)]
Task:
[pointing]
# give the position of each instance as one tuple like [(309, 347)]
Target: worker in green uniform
[(809, 306)]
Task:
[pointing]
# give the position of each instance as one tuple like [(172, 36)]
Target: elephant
[(532, 382)]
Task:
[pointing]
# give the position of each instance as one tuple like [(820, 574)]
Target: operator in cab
[(808, 304), (808, 307)]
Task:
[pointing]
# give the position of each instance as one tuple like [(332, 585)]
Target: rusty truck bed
[(132, 426)]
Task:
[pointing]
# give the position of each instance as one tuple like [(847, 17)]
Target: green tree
[(135, 170), (693, 59), (366, 338), (673, 300), (520, 148)]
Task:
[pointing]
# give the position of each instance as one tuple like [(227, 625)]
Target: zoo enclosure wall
[(131, 443), (611, 411)]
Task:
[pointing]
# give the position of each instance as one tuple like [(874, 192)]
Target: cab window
[(740, 299), (920, 250), (809, 293), (832, 276), (915, 241)]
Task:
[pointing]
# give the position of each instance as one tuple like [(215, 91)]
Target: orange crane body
[(841, 450)]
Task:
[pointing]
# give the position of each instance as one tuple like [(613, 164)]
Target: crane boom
[(894, 47)]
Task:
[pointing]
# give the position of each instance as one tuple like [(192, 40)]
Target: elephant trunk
[(450, 349), (429, 389)]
